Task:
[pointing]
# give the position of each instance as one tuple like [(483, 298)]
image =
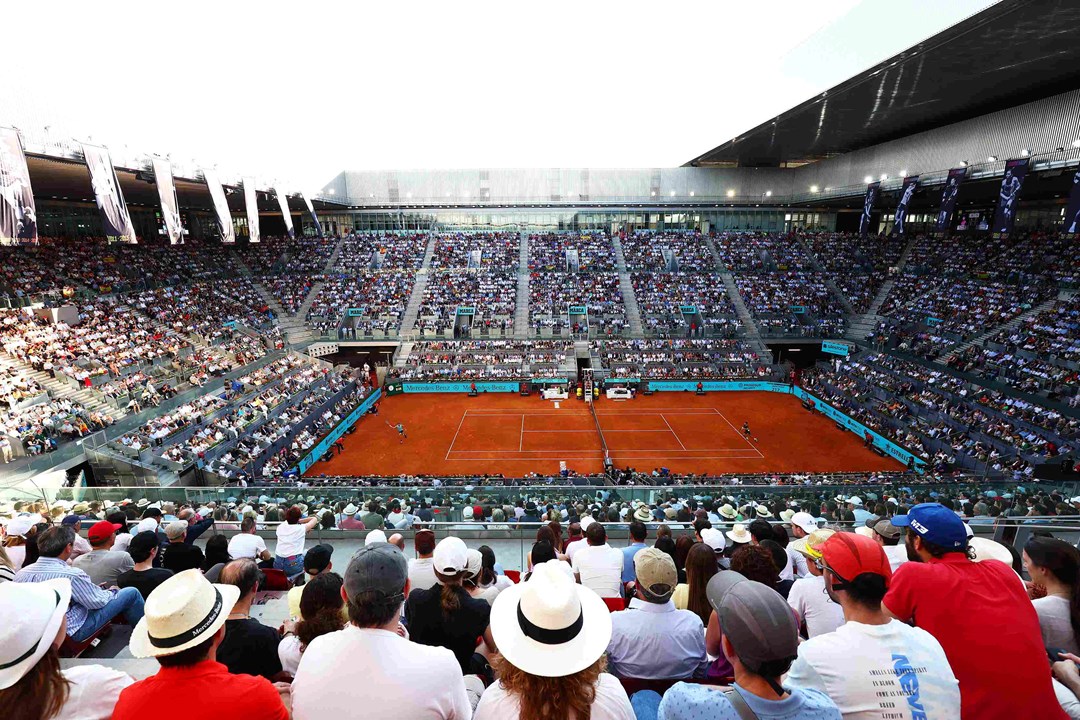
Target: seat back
[(614, 604)]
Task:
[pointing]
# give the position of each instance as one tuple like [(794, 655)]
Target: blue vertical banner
[(948, 199), (907, 192), (1071, 225), (1009, 195), (872, 191)]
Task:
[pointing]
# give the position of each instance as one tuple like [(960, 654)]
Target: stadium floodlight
[(331, 191), (1076, 143), (672, 193), (963, 163), (1025, 152), (768, 193), (731, 193), (408, 194), (903, 173), (691, 193), (884, 177), (868, 179), (813, 188), (992, 158)]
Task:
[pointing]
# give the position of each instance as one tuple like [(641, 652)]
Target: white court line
[(597, 456), (521, 435), (677, 438), (736, 430), (676, 453), (460, 423)]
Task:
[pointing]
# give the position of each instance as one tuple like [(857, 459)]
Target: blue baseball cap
[(935, 523)]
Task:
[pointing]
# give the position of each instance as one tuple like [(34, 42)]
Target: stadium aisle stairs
[(865, 324), (58, 389), (412, 310), (711, 246), (818, 267), (747, 320), (1010, 325), (403, 353), (633, 310), (521, 309)]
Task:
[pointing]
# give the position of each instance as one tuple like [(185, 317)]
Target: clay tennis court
[(513, 435)]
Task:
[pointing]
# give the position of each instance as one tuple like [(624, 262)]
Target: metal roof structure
[(1012, 53)]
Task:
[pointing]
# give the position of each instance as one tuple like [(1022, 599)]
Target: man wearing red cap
[(873, 666), (102, 563)]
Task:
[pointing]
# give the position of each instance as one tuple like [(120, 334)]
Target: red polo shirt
[(208, 688), (982, 617)]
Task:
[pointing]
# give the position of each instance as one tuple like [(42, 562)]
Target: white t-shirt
[(600, 569), (573, 547), (421, 573), (122, 541), (288, 651), (796, 566), (377, 673), (246, 545), (897, 555), (880, 671), (820, 614), (290, 540), (1054, 621), (611, 702), (93, 692)]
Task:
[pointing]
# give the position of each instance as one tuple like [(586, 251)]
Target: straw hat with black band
[(182, 612)]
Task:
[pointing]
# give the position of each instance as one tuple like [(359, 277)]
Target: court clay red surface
[(513, 435)]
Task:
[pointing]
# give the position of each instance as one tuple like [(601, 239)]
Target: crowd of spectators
[(386, 251), (492, 294), (381, 296), (585, 251), (476, 250), (667, 250), (661, 298), (859, 265), (552, 294), (477, 359), (680, 358)]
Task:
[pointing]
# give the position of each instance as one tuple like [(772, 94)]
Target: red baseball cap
[(849, 555), (102, 530)]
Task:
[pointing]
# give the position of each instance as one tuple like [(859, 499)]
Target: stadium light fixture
[(331, 191), (672, 193), (654, 193), (1076, 143), (1025, 152), (768, 193), (884, 177), (903, 173), (691, 193), (408, 194), (992, 158), (731, 193), (868, 179), (813, 188), (963, 163)]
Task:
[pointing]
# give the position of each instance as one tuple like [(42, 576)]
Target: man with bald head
[(249, 647), (397, 540)]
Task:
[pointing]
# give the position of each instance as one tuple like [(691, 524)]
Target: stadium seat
[(615, 604), (71, 649)]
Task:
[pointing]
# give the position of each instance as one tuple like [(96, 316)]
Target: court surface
[(451, 434)]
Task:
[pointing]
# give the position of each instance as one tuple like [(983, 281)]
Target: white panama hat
[(33, 615), (182, 612), (739, 534), (550, 626)]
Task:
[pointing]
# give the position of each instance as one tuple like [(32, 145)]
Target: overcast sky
[(296, 92)]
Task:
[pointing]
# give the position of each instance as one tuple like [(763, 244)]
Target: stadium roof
[(1012, 53)]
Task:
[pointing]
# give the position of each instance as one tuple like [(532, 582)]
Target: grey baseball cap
[(377, 575), (720, 584), (757, 622)]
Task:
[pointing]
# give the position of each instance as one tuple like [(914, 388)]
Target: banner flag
[(1009, 195), (872, 191), (170, 208), (283, 201), (110, 200), (948, 199), (18, 216), (1072, 211), (314, 217), (221, 207), (907, 191), (251, 202)]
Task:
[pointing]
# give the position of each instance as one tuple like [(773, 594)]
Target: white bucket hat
[(33, 615), (182, 612), (375, 536), (550, 626), (350, 509), (739, 534)]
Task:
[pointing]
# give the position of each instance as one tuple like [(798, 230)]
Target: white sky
[(297, 92)]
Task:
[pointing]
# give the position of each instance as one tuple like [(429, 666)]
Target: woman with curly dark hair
[(755, 562), (320, 613), (552, 634)]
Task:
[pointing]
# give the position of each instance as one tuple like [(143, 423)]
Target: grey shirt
[(104, 566)]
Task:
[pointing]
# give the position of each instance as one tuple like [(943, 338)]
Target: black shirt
[(143, 580), (250, 648), (181, 556), (459, 632)]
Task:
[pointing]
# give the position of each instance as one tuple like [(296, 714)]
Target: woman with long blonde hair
[(552, 634)]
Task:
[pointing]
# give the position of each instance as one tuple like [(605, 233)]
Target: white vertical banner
[(18, 217), (251, 202), (314, 217), (221, 206), (170, 208), (110, 200), (283, 202)]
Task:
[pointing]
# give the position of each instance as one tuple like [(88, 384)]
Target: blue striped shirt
[(85, 595)]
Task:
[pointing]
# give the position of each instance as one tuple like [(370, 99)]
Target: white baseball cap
[(451, 556), (714, 539), (805, 521)]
